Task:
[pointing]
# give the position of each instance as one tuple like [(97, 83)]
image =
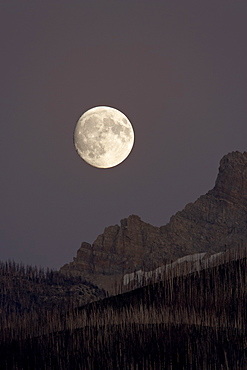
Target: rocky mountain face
[(215, 222)]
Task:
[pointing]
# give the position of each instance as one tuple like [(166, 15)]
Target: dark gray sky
[(177, 69)]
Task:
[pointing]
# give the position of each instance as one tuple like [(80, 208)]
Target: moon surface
[(103, 137)]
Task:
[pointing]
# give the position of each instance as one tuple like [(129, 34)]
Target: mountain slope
[(27, 291), (197, 321), (215, 222)]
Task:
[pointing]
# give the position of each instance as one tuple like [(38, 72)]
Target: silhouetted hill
[(197, 321), (30, 298)]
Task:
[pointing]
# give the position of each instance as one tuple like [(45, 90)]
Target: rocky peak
[(231, 182), (215, 222)]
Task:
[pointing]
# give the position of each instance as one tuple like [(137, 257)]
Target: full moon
[(103, 137)]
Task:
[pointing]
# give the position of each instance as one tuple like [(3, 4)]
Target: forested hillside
[(32, 299), (196, 321)]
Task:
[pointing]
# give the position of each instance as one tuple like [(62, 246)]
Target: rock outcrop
[(214, 223)]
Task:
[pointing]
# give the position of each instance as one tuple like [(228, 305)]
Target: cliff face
[(215, 222)]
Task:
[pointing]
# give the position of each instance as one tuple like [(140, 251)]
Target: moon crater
[(103, 137)]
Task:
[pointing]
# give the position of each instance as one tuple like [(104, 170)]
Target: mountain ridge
[(215, 222)]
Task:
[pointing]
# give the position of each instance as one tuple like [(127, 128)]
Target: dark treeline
[(194, 321), (34, 300)]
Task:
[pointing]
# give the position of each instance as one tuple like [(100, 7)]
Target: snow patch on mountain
[(184, 265)]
